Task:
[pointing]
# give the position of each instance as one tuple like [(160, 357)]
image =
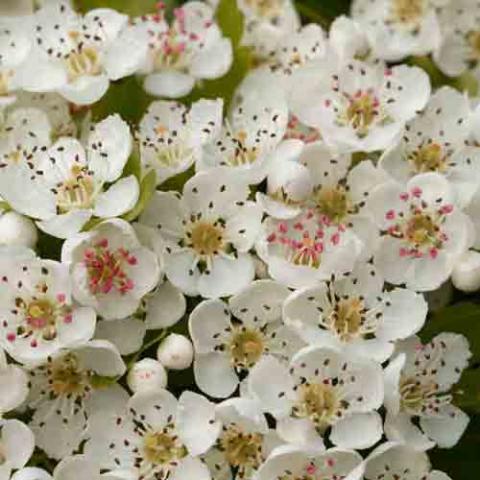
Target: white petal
[(214, 374), (31, 473), (169, 84), (66, 225), (126, 334), (102, 357), (301, 432), (17, 442), (191, 468), (196, 423), (399, 428), (243, 227), (85, 90), (71, 468), (357, 431), (80, 329), (214, 61), (13, 387), (165, 306), (120, 198)]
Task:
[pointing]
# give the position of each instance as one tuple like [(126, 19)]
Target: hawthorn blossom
[(73, 179), (226, 346), (399, 28), (190, 49), (293, 464), (251, 139), (459, 49), (435, 141), (110, 268), (359, 106), (16, 446), (356, 313), (77, 56), (321, 388), (157, 437), (38, 315), (423, 231), (391, 461), (418, 388), (171, 135), (207, 233), (67, 392), (244, 443)]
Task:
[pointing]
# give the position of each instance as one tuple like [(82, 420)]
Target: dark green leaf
[(178, 181)]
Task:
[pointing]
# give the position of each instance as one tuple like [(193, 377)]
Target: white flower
[(423, 232), (147, 374), (267, 24), (293, 464), (71, 181), (390, 461), (208, 233), (15, 45), (67, 392), (251, 138), (459, 49), (13, 385), (301, 251), (359, 106), (434, 141), (226, 346), (15, 229), (356, 312), (111, 270), (157, 437), (76, 55), (16, 446), (466, 272), (38, 315), (321, 181), (398, 28), (126, 334), (171, 135), (418, 383), (245, 440), (321, 388), (188, 50), (175, 352)]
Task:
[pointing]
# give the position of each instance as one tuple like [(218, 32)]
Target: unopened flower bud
[(147, 374), (15, 229), (466, 273), (175, 352)]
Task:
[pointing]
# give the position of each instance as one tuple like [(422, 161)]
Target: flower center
[(171, 53), (66, 377), (408, 11), (162, 448), (83, 62), (4, 80), (266, 8), (241, 449), (421, 230), (78, 192), (206, 238), (319, 403), (333, 203), (428, 158), (246, 347), (170, 150), (107, 268), (242, 154), (417, 397), (362, 111), (300, 131), (346, 319), (473, 40)]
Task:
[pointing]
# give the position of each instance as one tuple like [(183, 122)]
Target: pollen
[(246, 347), (206, 238)]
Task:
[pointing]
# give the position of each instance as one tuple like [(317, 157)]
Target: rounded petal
[(85, 90), (18, 442), (170, 84), (214, 374), (165, 306), (357, 431)]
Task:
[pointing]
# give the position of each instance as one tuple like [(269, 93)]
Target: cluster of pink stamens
[(298, 131), (106, 268), (420, 227), (305, 238)]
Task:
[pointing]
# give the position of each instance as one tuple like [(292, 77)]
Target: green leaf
[(461, 318), (133, 165), (466, 394), (230, 20), (147, 187)]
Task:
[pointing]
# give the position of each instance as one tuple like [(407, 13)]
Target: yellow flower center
[(429, 158), (206, 238), (361, 112), (346, 319), (421, 230), (408, 11), (66, 377), (319, 403), (83, 62), (266, 8), (78, 192), (241, 449), (246, 347), (162, 448), (333, 203)]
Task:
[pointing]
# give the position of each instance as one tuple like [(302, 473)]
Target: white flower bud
[(466, 273), (15, 229), (145, 375), (175, 352)]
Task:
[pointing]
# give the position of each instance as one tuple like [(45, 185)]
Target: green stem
[(150, 343)]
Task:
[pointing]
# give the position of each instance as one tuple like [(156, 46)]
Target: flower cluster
[(281, 246)]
